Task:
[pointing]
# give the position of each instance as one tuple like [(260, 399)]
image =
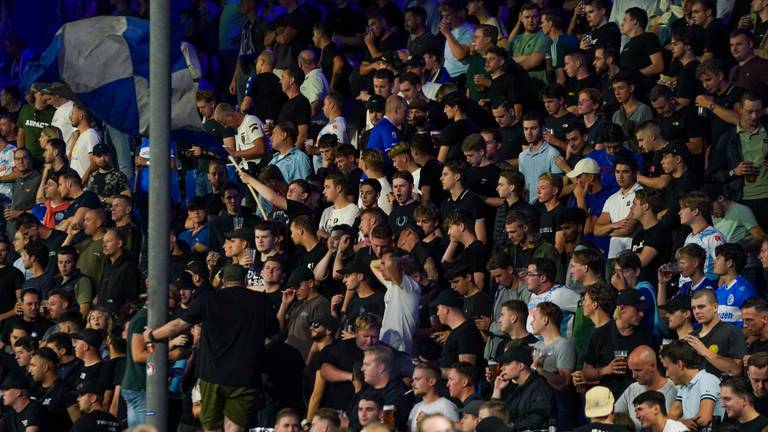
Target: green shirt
[(754, 147), (135, 375), (736, 223), (92, 259), (531, 43), (476, 66), (32, 121)]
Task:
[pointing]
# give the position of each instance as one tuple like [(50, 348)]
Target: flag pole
[(159, 205)]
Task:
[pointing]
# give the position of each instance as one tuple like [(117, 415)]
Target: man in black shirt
[(680, 123), (577, 70), (757, 372), (226, 336), (120, 282), (264, 97), (739, 406), (106, 180), (720, 99), (11, 279), (653, 242), (454, 180), (22, 412), (603, 33), (642, 54), (87, 348), (559, 119), (510, 130), (460, 127), (53, 394), (477, 303), (297, 109), (464, 342), (34, 257), (720, 344), (404, 203), (420, 39), (502, 84), (30, 316), (293, 32), (704, 16), (94, 417), (71, 187)]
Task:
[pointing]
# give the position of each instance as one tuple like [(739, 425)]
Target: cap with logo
[(631, 297), (598, 402)]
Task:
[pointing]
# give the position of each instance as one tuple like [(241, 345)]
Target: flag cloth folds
[(104, 62)]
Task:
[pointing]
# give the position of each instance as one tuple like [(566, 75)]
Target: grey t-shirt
[(560, 354), (25, 190), (300, 316), (624, 402)]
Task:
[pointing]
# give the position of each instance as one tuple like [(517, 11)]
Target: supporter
[(648, 378), (746, 72), (478, 79), (559, 118), (24, 186), (529, 47), (678, 122), (548, 190), (754, 312), (757, 373), (120, 283), (23, 413), (652, 241), (679, 316), (602, 32), (454, 180), (30, 318), (650, 409), (682, 70), (525, 246), (651, 144), (606, 64), (54, 394), (631, 112), (599, 409), (373, 164), (94, 415), (734, 289), (341, 211), (484, 172), (425, 385), (715, 332), (31, 119), (465, 247), (502, 81), (301, 305), (698, 397), (401, 312), (510, 130), (642, 52), (380, 379), (459, 127), (458, 37), (293, 164), (615, 221)]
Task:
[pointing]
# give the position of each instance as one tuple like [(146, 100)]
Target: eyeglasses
[(315, 325), (532, 274)]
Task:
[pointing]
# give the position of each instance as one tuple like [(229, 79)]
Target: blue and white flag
[(104, 61)]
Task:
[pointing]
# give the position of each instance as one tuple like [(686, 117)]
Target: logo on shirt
[(714, 348), (730, 299)]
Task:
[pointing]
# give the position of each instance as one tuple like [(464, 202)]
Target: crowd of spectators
[(421, 216)]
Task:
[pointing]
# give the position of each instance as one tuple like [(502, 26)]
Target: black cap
[(184, 281), (492, 424), (677, 148), (197, 267), (376, 103), (241, 233), (100, 149), (677, 303), (354, 266), (91, 386), (448, 297), (472, 407), (298, 276), (328, 321), (519, 353), (414, 61), (90, 336), (631, 297), (389, 57), (14, 381), (196, 203), (233, 273)]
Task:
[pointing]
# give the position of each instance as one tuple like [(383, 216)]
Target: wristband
[(152, 337)]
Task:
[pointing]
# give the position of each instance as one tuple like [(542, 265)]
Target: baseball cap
[(447, 297), (676, 148), (584, 166), (14, 381), (677, 303), (518, 353), (472, 407), (233, 273), (184, 281), (388, 57), (631, 297), (354, 266), (90, 336), (328, 321), (100, 149), (599, 402), (298, 276), (90, 386), (414, 61), (240, 233), (196, 267), (375, 103)]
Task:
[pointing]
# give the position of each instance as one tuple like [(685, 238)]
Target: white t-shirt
[(332, 217), (617, 206), (441, 406), (401, 314), (61, 120), (338, 127), (674, 426), (79, 158), (249, 131), (315, 86)]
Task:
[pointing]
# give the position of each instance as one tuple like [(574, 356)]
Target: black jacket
[(724, 156), (120, 283), (532, 405)]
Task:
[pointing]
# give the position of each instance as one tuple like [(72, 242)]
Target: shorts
[(238, 404)]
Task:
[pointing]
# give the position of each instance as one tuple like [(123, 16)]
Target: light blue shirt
[(294, 165), (463, 35), (532, 165)]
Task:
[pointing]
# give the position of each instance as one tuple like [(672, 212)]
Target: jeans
[(137, 406), (121, 143)]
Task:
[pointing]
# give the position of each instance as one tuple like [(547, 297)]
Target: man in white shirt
[(337, 125), (425, 380), (61, 116), (83, 139), (341, 210), (250, 142), (650, 409), (401, 301), (614, 221), (315, 85)]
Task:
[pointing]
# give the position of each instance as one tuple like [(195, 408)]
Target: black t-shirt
[(658, 237), (478, 305), (418, 46), (464, 339), (726, 340), (636, 55), (676, 188), (97, 421), (573, 86), (55, 400), (41, 284), (35, 328), (11, 279), (485, 179), (688, 86), (467, 201), (401, 216), (430, 177), (296, 110), (549, 221), (227, 336), (342, 355), (503, 87), (301, 21), (283, 369), (757, 346), (682, 125), (727, 100), (87, 199), (559, 125), (600, 351), (308, 259), (608, 35), (716, 41), (512, 140), (268, 96), (755, 425), (359, 305), (96, 371), (32, 415), (453, 136), (761, 405), (475, 256)]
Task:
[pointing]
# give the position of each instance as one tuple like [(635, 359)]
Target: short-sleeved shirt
[(294, 165), (624, 404), (32, 121), (33, 415), (659, 238), (736, 223), (25, 190), (703, 386), (300, 316), (709, 239), (97, 421), (534, 164), (531, 43), (55, 400), (79, 154), (730, 300), (560, 354), (332, 217), (617, 206), (248, 132), (296, 110), (725, 340), (463, 35), (6, 167), (401, 314), (464, 339)]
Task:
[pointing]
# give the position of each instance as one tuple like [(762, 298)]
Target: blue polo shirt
[(293, 165), (606, 163), (384, 136), (532, 165)]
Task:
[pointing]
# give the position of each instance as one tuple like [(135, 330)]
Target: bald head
[(644, 354), (643, 365), (395, 103), (307, 58)]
